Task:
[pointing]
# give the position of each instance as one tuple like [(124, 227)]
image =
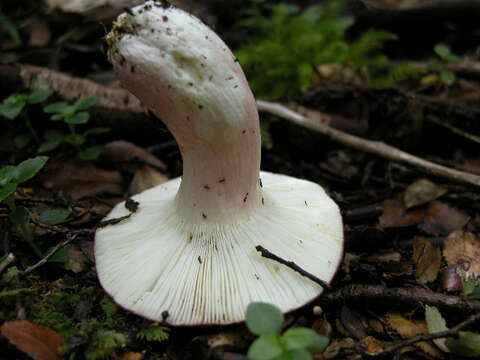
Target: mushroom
[(188, 252)]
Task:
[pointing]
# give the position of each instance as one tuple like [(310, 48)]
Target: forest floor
[(400, 160)]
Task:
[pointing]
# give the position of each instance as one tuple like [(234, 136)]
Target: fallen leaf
[(408, 329), (436, 323), (449, 279), (427, 259), (336, 348), (421, 192), (124, 151), (39, 342), (463, 249), (146, 177), (131, 356), (40, 34), (371, 345), (352, 322), (80, 179), (441, 219), (395, 215), (76, 259)]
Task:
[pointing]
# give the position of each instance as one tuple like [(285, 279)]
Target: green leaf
[(96, 131), (266, 347), (61, 256), (20, 216), (79, 118), (447, 77), (90, 153), (28, 168), (75, 139), (39, 95), (7, 190), (22, 140), (49, 145), (299, 354), (263, 318), (12, 106), (54, 134), (303, 338), (85, 103), (467, 344), (57, 107), (6, 174), (436, 323), (442, 50), (53, 217)]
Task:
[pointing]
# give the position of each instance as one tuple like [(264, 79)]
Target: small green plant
[(289, 44), (72, 115), (439, 65), (153, 332), (466, 343), (265, 320), (14, 106), (10, 177)]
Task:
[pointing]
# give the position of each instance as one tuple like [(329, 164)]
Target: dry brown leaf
[(407, 329), (352, 322), (449, 279), (39, 342), (427, 260), (395, 215), (421, 192), (79, 179), (339, 347), (126, 151), (146, 177), (131, 356), (76, 259), (463, 248), (371, 345), (441, 219)]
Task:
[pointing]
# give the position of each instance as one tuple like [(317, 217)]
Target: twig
[(453, 332), (52, 252), (10, 258), (412, 296), (267, 254), (374, 147)]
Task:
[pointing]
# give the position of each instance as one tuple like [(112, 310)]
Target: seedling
[(10, 178), (72, 115), (266, 321), (439, 66), (14, 106)]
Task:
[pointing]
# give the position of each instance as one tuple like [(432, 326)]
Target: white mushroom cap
[(189, 249)]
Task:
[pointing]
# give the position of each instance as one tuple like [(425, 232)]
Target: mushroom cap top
[(157, 262)]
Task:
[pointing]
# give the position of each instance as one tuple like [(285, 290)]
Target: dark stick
[(408, 296), (50, 254), (267, 254), (453, 332)]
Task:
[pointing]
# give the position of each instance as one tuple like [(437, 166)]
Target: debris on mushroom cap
[(189, 249)]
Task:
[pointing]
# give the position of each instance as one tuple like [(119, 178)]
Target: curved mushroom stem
[(184, 73)]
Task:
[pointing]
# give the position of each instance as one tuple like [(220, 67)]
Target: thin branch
[(453, 332), (374, 147), (10, 258), (267, 254), (52, 252), (412, 296)]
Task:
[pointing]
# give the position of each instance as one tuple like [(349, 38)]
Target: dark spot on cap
[(260, 181), (200, 106), (246, 197), (199, 259), (204, 215), (164, 18), (244, 131), (206, 187), (221, 180), (165, 315)]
